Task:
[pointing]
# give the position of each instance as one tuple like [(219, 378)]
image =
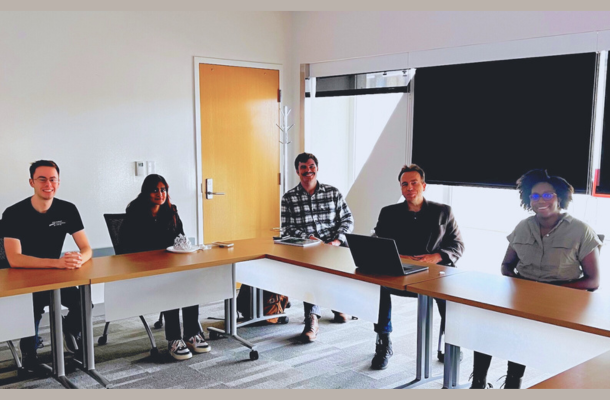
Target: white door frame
[(215, 61)]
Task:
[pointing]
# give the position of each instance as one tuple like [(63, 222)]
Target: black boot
[(383, 351), (480, 367), (479, 382), (512, 382), (31, 363)]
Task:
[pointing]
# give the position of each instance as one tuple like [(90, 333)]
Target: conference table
[(142, 283), (592, 374), (16, 288), (483, 310), (547, 327)]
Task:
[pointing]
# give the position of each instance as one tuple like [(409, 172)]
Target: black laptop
[(379, 256)]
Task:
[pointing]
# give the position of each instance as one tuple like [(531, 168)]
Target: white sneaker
[(178, 350), (197, 344)]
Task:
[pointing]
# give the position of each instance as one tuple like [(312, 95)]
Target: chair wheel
[(214, 335), (158, 325), (154, 353), (254, 355), (283, 320), (102, 340)]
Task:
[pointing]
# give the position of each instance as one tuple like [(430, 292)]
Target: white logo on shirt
[(57, 223)]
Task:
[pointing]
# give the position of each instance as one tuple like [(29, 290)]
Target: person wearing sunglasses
[(152, 223), (550, 247)]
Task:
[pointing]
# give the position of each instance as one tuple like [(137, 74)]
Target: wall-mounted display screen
[(485, 124)]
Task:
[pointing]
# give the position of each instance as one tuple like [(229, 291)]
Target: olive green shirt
[(558, 255)]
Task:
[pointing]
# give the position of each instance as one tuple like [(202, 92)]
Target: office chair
[(4, 264), (114, 223)]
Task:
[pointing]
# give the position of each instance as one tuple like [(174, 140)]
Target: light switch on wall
[(140, 168), (151, 167)]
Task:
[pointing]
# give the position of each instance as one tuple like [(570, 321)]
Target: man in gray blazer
[(424, 231)]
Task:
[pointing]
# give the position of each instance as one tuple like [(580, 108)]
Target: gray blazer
[(442, 231)]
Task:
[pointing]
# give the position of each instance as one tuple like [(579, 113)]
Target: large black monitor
[(485, 124)]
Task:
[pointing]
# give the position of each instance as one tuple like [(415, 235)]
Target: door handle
[(209, 189)]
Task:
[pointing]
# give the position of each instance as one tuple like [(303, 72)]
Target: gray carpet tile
[(340, 358)]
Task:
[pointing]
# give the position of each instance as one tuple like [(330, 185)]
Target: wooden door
[(240, 151)]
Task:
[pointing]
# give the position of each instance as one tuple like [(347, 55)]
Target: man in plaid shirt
[(316, 211)]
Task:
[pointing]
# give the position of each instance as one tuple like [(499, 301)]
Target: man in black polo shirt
[(35, 229), (424, 231)]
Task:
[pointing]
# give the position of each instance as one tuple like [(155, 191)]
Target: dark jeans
[(70, 298), (481, 366), (384, 324), (190, 318)]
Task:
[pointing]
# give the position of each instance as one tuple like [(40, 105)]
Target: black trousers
[(70, 298), (190, 319)]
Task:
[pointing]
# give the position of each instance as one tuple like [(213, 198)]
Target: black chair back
[(3, 261), (114, 223)]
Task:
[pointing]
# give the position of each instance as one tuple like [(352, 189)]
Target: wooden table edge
[(43, 288), (162, 271), (510, 311)]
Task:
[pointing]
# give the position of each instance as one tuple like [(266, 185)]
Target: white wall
[(329, 132), (354, 41), (96, 91), (325, 36), (354, 139), (330, 36)]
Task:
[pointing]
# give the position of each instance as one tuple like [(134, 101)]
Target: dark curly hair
[(528, 180)]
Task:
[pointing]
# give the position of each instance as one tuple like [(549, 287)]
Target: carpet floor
[(340, 358)]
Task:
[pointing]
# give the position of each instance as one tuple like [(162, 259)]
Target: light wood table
[(326, 275), (147, 282), (141, 283), (549, 327), (16, 287), (592, 374)]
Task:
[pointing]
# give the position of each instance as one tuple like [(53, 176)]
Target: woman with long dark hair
[(152, 223), (550, 247)]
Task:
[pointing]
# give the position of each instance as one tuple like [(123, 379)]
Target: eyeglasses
[(157, 190), (44, 180), (312, 167), (545, 196)]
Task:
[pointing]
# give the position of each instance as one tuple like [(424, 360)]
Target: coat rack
[(284, 140)]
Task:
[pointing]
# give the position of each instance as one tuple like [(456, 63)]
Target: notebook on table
[(292, 241)]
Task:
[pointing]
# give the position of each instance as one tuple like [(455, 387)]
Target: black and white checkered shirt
[(324, 214)]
